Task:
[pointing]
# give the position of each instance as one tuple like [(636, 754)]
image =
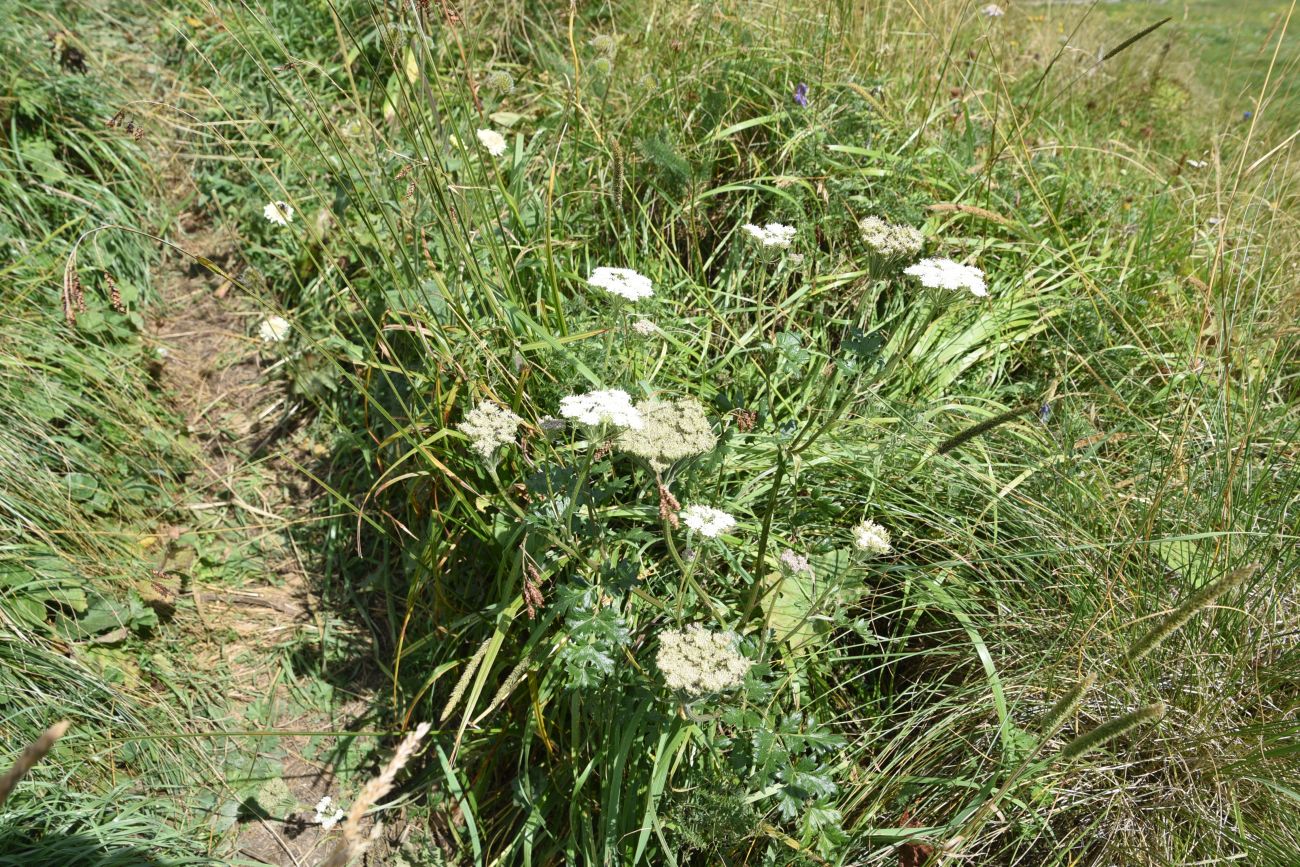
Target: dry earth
[(221, 379)]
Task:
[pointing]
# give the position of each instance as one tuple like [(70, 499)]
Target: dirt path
[(256, 627)]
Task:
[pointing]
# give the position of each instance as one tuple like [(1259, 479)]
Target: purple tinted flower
[(801, 94), (796, 563)]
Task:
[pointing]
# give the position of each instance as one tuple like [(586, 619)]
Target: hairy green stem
[(755, 590)]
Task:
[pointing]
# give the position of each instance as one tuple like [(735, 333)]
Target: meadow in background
[(712, 433)]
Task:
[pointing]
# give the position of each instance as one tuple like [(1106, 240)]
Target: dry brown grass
[(34, 752), (353, 842)]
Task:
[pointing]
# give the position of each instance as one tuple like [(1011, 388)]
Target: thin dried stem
[(353, 843), (35, 751)]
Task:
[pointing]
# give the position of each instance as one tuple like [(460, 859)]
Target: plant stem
[(752, 599), (581, 481)]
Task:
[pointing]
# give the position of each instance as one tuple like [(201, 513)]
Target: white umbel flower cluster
[(489, 427), (645, 327), (673, 430), (698, 661), (623, 282), (493, 142), (598, 407), (324, 817), (889, 240), (706, 520), (947, 274), (273, 329), (280, 213), (871, 537), (773, 235), (992, 10)]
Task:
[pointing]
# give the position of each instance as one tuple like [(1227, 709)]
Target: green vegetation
[(1228, 53), (1067, 636), (86, 458)]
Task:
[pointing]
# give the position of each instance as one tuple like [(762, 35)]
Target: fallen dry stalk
[(353, 842), (35, 751)]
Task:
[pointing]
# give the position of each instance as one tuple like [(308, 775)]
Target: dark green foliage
[(712, 822), (671, 171)]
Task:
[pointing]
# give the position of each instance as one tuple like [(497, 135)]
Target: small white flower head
[(796, 563), (796, 259), (889, 240), (698, 661), (273, 329), (1197, 164), (992, 10), (499, 80), (323, 817), (600, 407), (489, 427), (772, 236), (645, 327), (673, 430), (706, 520), (280, 213), (492, 141), (871, 537), (623, 282), (947, 274), (603, 43)]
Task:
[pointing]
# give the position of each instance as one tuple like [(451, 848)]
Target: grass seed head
[(1110, 731)]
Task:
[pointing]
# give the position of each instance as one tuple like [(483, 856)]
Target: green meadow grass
[(89, 462), (1061, 465), (1242, 56)]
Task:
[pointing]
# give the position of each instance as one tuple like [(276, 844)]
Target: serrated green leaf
[(275, 799)]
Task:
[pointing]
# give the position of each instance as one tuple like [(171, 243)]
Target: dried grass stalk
[(353, 843), (35, 751)]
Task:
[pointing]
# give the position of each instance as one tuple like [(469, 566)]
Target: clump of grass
[(550, 562), (90, 455)]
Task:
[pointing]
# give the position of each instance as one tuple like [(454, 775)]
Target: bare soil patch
[(248, 499)]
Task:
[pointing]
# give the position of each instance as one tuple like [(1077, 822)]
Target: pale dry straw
[(353, 842), (34, 752)]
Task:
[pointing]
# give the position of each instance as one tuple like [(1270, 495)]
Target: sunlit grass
[(1059, 465)]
